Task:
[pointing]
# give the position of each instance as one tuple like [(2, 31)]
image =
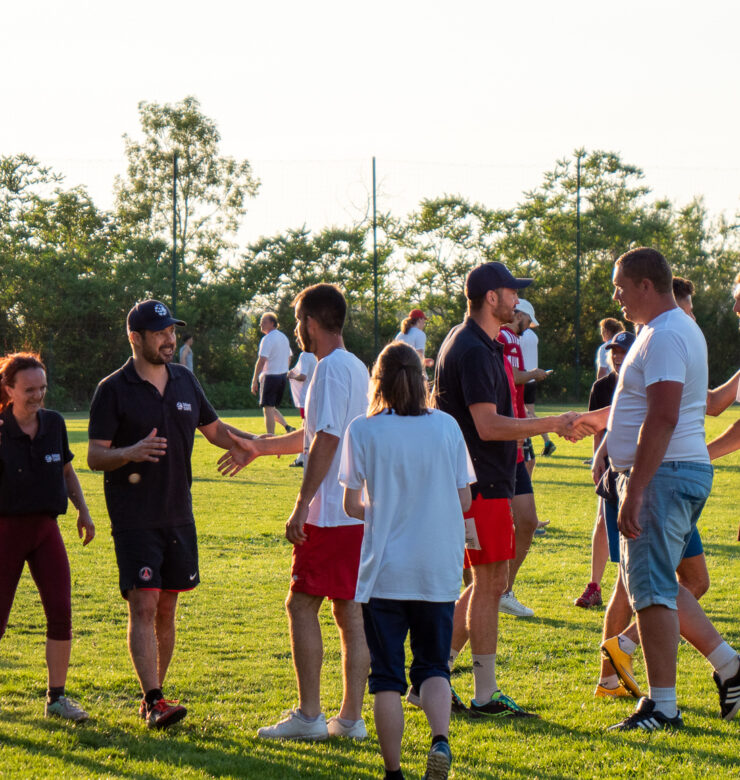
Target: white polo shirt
[(275, 347), (415, 338), (670, 348)]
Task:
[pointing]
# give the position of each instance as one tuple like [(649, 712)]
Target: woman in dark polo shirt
[(36, 477)]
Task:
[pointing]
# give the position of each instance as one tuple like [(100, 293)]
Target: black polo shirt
[(602, 392), (470, 370), (32, 470), (124, 410)]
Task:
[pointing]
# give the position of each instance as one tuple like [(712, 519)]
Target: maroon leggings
[(36, 539)]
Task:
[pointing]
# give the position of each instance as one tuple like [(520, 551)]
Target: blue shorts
[(672, 504), (388, 622), (611, 513), (522, 481)]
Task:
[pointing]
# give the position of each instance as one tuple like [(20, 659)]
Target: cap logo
[(161, 310)]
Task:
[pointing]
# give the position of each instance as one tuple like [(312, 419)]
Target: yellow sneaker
[(611, 693), (622, 663)]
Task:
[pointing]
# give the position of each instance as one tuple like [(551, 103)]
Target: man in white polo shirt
[(327, 541), (271, 371), (655, 439)]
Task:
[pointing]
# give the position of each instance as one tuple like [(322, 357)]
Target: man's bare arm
[(492, 426), (721, 397), (728, 441), (102, 456)]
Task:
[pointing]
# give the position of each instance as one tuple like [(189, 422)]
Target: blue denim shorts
[(671, 506), (611, 514)]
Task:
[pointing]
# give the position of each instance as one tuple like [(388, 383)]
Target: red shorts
[(326, 564), (489, 531)]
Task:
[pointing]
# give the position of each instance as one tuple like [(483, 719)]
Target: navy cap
[(491, 276), (624, 339), (150, 315)]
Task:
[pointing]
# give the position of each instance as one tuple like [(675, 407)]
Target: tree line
[(71, 271)]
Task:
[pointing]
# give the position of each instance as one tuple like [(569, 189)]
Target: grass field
[(232, 665)]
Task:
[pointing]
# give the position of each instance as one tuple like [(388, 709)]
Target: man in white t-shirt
[(655, 440), (271, 371), (300, 378), (327, 541)]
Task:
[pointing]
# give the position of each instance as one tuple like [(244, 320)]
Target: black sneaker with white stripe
[(647, 718), (729, 695)]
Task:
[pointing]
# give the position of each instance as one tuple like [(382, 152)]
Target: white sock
[(453, 657), (724, 661), (610, 681), (305, 717), (665, 701), (626, 645), (484, 677)]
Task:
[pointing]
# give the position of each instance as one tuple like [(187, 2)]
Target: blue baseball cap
[(624, 340), (150, 315), (491, 276)]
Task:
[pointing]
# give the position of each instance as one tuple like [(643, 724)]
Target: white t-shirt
[(411, 469), (528, 341), (275, 347), (415, 338), (670, 348), (305, 365), (602, 359), (337, 394)]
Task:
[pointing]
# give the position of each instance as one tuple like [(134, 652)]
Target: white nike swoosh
[(193, 576)]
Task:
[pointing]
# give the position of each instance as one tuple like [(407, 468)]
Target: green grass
[(232, 665)]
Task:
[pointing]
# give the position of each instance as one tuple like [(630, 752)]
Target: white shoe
[(337, 729), (295, 726), (510, 605)]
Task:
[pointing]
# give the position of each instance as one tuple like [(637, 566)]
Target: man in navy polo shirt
[(472, 385), (143, 419)]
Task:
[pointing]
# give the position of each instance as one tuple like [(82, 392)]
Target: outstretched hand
[(580, 427), (151, 448), (241, 454)]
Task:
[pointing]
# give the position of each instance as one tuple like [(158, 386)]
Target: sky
[(475, 98)]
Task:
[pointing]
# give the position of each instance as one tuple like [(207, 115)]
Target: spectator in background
[(608, 327), (683, 291), (271, 371), (412, 333), (186, 351), (300, 378)]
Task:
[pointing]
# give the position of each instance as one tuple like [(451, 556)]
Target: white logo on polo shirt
[(161, 310), (54, 457), (184, 406)]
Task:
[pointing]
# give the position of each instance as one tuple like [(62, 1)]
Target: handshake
[(574, 426)]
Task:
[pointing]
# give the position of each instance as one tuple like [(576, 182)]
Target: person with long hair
[(412, 464), (36, 479)]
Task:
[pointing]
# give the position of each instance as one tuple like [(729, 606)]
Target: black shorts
[(530, 392), (157, 558), (272, 388), (522, 483)]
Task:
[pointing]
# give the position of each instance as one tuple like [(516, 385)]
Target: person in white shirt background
[(300, 378), (412, 333), (271, 371)]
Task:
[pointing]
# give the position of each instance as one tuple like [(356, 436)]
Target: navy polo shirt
[(32, 470), (124, 410), (470, 370)]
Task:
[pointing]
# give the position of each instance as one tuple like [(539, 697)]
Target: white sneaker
[(66, 708), (510, 605), (337, 729), (295, 726)]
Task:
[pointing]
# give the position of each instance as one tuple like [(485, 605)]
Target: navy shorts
[(157, 558), (694, 546), (522, 483), (272, 389), (388, 622)]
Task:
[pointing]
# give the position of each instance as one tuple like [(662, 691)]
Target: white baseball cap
[(528, 309)]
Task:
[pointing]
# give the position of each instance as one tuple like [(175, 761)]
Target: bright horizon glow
[(476, 99)]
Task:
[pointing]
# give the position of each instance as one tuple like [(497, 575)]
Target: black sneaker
[(549, 448), (647, 718), (500, 706), (289, 429), (457, 706), (729, 695)]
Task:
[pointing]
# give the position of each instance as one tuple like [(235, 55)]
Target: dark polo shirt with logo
[(124, 410), (32, 470), (470, 370)]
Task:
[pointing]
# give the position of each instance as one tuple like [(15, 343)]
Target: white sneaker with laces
[(337, 729), (295, 726), (66, 708), (510, 605)]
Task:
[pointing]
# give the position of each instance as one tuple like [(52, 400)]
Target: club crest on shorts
[(145, 573)]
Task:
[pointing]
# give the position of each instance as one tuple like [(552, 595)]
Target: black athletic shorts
[(522, 484), (272, 388), (528, 450), (157, 558), (530, 392)]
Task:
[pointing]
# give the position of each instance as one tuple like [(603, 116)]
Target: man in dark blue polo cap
[(472, 384), (143, 419)]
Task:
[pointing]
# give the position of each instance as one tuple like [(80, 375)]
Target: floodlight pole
[(174, 235), (578, 274), (375, 265)]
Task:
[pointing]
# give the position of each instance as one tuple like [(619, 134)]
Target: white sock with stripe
[(665, 701), (724, 661)]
